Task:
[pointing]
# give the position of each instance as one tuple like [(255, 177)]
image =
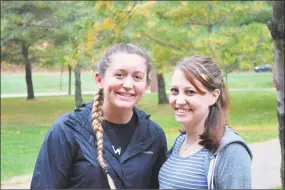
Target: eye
[(118, 75), (190, 92), (138, 77), (174, 91)]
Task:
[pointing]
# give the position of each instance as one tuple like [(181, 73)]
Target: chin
[(182, 121), (124, 105)]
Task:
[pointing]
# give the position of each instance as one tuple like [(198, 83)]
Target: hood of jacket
[(229, 137), (83, 116)]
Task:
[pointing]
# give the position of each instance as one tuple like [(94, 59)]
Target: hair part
[(206, 71)]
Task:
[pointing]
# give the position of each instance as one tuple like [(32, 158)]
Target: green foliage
[(25, 24), (245, 46), (233, 33)]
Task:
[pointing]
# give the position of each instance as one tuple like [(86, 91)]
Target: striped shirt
[(184, 172)]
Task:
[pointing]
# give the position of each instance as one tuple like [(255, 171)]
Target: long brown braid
[(97, 118), (97, 110)]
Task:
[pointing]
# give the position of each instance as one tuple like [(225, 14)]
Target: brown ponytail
[(97, 118)]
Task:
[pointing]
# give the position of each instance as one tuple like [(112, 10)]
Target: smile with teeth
[(180, 110), (125, 94)]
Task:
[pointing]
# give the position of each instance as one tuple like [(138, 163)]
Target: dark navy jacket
[(68, 156)]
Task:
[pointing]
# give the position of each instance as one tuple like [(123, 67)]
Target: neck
[(192, 138), (118, 116), (193, 133)]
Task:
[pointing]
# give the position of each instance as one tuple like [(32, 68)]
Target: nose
[(180, 100), (128, 83)]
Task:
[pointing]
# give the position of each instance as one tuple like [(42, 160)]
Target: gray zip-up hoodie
[(230, 165)]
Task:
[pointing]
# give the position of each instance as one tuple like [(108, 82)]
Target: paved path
[(266, 164), (265, 168), (44, 94)]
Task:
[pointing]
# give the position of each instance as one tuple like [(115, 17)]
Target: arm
[(233, 170), (54, 160), (160, 160)]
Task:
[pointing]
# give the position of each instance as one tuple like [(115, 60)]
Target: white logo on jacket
[(148, 152), (117, 151)]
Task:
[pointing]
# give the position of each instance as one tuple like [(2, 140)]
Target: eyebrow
[(122, 70), (189, 87)]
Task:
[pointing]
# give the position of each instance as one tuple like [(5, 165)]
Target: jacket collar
[(143, 136), (141, 139)]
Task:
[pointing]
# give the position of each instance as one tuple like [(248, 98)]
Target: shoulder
[(59, 132), (233, 170), (156, 127), (146, 121), (234, 152), (232, 142), (59, 123), (235, 159), (69, 120)]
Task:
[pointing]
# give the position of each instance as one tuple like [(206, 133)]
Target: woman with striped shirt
[(207, 154)]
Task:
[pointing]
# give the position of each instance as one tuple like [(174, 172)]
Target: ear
[(215, 95), (98, 80)]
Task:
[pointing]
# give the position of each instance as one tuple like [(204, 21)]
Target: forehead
[(128, 62), (179, 80)]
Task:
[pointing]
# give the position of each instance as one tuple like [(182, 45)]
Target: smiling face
[(191, 108), (125, 81)]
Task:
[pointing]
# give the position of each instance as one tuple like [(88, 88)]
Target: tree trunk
[(276, 28), (210, 28), (162, 97), (78, 95), (28, 69), (60, 82), (69, 79), (226, 79), (153, 84)]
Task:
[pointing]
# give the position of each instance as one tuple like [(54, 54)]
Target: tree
[(99, 26), (276, 28), (234, 34), (177, 29), (74, 21), (24, 24), (156, 35)]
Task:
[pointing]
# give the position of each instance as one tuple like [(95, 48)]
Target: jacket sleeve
[(54, 160), (159, 162), (233, 170)]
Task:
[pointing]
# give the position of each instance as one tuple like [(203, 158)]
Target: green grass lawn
[(15, 83), (44, 82), (24, 123)]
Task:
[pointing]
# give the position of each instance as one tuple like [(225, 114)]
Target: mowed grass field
[(12, 83), (24, 123)]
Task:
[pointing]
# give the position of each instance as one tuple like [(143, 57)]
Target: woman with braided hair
[(107, 143)]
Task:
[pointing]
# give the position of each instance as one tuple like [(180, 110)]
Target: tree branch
[(127, 14), (40, 26), (192, 22), (42, 36), (163, 43), (11, 37), (196, 23)]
